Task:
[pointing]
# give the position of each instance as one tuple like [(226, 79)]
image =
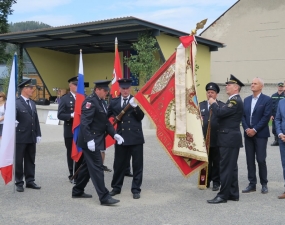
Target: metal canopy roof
[(95, 37)]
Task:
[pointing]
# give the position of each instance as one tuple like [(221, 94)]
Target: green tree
[(5, 11), (144, 64)]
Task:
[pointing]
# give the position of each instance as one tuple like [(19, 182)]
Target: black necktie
[(125, 102), (30, 108)]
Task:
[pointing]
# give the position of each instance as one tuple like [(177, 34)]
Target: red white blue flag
[(7, 147), (80, 96)]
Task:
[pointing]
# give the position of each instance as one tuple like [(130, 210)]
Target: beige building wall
[(253, 31), (168, 45)]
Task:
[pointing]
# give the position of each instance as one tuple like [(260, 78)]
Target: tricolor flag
[(77, 151), (115, 90), (8, 135)]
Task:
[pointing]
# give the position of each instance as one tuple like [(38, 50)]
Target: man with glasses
[(66, 113), (28, 133)]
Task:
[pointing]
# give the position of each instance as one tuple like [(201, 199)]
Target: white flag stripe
[(8, 134)]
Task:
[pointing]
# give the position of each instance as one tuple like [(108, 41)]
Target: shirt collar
[(232, 96), (257, 97)]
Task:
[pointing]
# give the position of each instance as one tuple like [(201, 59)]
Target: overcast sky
[(178, 14)]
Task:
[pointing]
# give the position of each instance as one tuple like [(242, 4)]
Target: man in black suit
[(66, 113), (212, 90), (257, 113), (94, 124), (229, 141), (130, 128), (28, 133)]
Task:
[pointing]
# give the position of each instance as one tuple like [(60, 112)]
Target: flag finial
[(199, 25)]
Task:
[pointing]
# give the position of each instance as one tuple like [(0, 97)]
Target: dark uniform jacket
[(275, 100), (28, 128), (94, 123), (65, 108), (130, 127), (230, 116), (214, 122)]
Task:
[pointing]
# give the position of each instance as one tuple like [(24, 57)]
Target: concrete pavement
[(167, 198)]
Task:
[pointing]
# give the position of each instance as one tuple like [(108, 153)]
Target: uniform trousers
[(68, 145), (92, 166), (214, 166), (229, 173), (25, 153), (121, 160), (255, 146)]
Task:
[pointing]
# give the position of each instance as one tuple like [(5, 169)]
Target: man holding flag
[(66, 113), (94, 124)]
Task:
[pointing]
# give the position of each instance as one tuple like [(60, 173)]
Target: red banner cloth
[(155, 97)]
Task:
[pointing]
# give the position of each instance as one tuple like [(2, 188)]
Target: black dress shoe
[(110, 201), (136, 195), (249, 189), (106, 169), (113, 193), (32, 185), (233, 199), (217, 200), (84, 195), (264, 189), (20, 189), (215, 187), (275, 143), (129, 174)]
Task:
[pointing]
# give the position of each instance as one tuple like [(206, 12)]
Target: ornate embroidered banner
[(157, 99)]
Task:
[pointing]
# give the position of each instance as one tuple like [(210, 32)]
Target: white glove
[(72, 115), (91, 145), (39, 139), (119, 139), (133, 103), (16, 123)]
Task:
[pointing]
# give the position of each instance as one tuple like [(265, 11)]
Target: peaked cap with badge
[(212, 86), (26, 83), (125, 82), (102, 84), (280, 84), (73, 80), (234, 80)]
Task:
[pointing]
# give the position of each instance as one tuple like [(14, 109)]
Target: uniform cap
[(73, 80), (125, 82), (102, 84), (234, 80), (280, 84), (26, 83), (212, 86)]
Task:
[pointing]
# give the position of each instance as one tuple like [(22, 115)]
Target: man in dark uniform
[(276, 97), (66, 113), (130, 128), (94, 125), (28, 133), (212, 90), (229, 141)]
